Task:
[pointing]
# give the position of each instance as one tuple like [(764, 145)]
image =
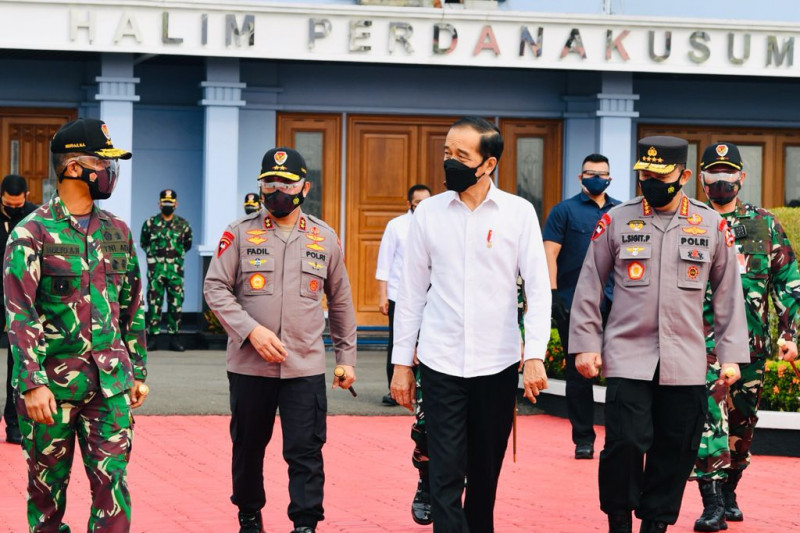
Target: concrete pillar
[(616, 138), (222, 98)]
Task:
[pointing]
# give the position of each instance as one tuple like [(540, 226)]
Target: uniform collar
[(492, 196), (683, 207), (301, 225), (60, 211), (609, 200)]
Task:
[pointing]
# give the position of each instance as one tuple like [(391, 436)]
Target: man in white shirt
[(464, 251), (390, 268)]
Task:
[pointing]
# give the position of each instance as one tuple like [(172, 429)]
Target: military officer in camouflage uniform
[(265, 285), (768, 268), (76, 327), (662, 249), (252, 203), (165, 239)]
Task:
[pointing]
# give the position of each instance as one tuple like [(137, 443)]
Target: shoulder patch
[(601, 226), (722, 225), (224, 242)]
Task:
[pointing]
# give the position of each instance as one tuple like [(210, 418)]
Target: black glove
[(559, 312)]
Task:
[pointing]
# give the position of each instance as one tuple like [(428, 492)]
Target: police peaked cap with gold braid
[(251, 200), (168, 197), (660, 154), (283, 163), (86, 135)]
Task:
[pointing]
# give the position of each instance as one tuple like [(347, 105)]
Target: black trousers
[(468, 421), (303, 406), (580, 398), (652, 435), (389, 365)]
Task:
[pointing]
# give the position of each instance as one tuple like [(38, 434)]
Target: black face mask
[(459, 177), (659, 193), (167, 210), (102, 186), (14, 212), (281, 204), (248, 210), (723, 192)]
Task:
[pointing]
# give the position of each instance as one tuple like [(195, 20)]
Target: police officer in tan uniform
[(265, 285), (662, 249)]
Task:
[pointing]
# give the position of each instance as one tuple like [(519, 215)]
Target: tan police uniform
[(653, 346), (258, 276)]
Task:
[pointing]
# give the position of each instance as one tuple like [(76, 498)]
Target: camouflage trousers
[(419, 434), (731, 422), (104, 431), (163, 278)]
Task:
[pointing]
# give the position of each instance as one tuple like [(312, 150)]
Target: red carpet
[(180, 481)]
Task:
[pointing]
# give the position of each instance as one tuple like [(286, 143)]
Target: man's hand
[(41, 405), (787, 350), (403, 386), (729, 374), (268, 345), (383, 306), (347, 380), (534, 378), (588, 364), (138, 393)]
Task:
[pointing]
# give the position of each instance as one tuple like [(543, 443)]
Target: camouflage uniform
[(768, 267), (165, 242), (76, 326)]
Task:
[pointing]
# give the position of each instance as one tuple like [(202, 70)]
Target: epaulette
[(319, 222), (698, 203), (239, 221)]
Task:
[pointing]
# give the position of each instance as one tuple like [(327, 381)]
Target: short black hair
[(13, 185), (415, 188), (491, 141), (595, 158)]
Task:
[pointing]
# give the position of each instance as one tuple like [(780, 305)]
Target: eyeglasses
[(713, 177), (94, 163), (288, 188), (595, 173)]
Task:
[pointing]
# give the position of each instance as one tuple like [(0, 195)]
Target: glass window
[(530, 184), (753, 160), (309, 143), (792, 168)]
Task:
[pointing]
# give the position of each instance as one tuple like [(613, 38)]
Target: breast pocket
[(636, 264), (61, 279), (693, 267), (116, 265), (259, 275), (754, 259), (312, 278)]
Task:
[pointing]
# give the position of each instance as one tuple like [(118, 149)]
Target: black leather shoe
[(653, 526), (152, 343), (620, 523), (250, 522), (421, 506), (175, 344), (303, 529), (13, 435), (388, 400), (732, 511), (584, 451)]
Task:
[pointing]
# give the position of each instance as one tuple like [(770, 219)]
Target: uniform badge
[(314, 235), (694, 230), (602, 224), (302, 224), (268, 223), (729, 240), (646, 209), (635, 250), (257, 282), (696, 254), (224, 242), (635, 271), (315, 266), (695, 219), (316, 247), (313, 285), (722, 150), (280, 157), (684, 209), (256, 240), (692, 272), (104, 129), (722, 225), (636, 225), (256, 232), (257, 262)]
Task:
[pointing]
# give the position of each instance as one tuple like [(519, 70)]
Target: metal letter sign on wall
[(361, 33)]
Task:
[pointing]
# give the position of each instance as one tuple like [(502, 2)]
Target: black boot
[(732, 511), (175, 343), (421, 506), (652, 526), (713, 517), (620, 523), (152, 343), (250, 522), (303, 529)]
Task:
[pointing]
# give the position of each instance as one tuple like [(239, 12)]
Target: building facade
[(200, 90)]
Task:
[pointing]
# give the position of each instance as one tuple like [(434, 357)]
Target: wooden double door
[(25, 146), (385, 155)]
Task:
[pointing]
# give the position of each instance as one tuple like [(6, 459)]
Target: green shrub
[(554, 362), (781, 388)]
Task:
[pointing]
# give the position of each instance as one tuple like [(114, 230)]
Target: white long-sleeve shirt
[(390, 254), (459, 287)]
